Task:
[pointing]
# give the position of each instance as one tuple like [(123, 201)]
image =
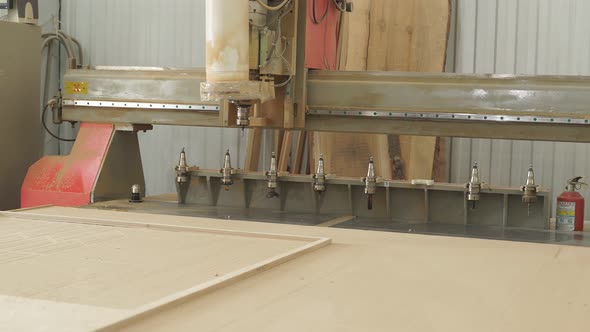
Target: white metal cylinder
[(227, 40)]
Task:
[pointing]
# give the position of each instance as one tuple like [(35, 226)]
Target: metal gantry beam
[(552, 108)]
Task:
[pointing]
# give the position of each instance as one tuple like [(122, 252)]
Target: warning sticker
[(566, 216), (76, 88)]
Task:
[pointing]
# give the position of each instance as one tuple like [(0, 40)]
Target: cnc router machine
[(352, 281)]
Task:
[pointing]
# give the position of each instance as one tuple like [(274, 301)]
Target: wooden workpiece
[(363, 281), (348, 154), (411, 36), (115, 272), (389, 35)]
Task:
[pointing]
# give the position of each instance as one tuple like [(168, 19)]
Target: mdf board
[(20, 129), (109, 272), (410, 36), (382, 281)]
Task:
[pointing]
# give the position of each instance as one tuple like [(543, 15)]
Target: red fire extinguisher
[(570, 207)]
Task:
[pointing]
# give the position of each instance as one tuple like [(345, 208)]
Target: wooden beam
[(278, 142), (253, 149), (299, 150), (285, 151)]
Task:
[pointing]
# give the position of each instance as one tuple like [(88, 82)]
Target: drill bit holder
[(398, 201)]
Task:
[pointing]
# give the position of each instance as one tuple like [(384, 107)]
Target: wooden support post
[(299, 150), (253, 150), (278, 143), (285, 151)]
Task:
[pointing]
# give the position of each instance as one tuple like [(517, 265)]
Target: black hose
[(337, 5), (43, 115)]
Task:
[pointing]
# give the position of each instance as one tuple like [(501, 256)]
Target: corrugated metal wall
[(523, 37), (501, 36)]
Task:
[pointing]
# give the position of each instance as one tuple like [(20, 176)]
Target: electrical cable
[(337, 5), (278, 7), (68, 42), (277, 18), (280, 85), (47, 40), (43, 116), (314, 13)]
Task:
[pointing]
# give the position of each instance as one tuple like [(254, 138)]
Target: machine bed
[(362, 281)]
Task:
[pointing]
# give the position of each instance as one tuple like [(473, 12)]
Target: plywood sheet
[(108, 271), (379, 281)]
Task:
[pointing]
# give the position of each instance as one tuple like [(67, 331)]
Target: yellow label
[(76, 88)]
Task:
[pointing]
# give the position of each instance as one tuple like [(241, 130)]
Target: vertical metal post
[(465, 211), (350, 201), (547, 201), (505, 211), (426, 206), (388, 202), (212, 200)]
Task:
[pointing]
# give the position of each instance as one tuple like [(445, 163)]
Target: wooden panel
[(382, 281), (348, 154), (285, 155), (354, 37), (253, 149), (126, 269), (389, 35), (410, 36), (299, 151)]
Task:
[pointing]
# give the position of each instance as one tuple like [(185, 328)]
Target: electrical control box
[(21, 136)]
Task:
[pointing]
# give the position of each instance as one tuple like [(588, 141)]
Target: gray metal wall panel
[(524, 37)]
